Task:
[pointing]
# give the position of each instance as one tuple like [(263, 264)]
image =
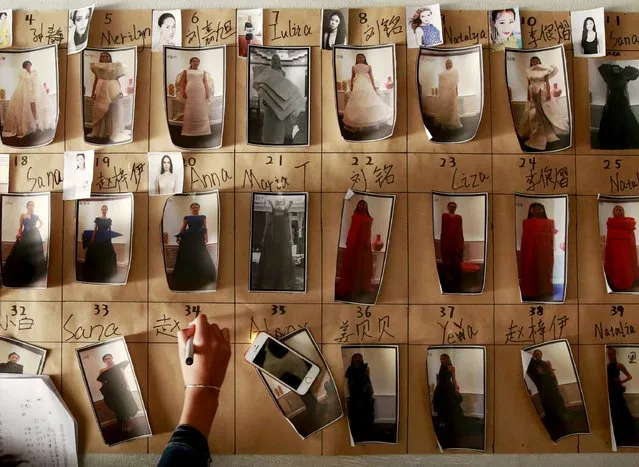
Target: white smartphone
[(282, 363)]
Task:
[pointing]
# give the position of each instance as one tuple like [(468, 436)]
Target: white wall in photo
[(517, 64), (211, 61), (43, 61), (471, 208), (14, 206), (119, 212), (383, 368), (598, 88), (126, 57), (177, 207), (380, 61), (92, 362), (380, 210)]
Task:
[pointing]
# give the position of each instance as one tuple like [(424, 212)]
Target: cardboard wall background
[(410, 312)]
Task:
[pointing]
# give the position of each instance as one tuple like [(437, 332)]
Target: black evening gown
[(116, 392), (447, 404), (26, 263), (276, 270), (622, 420), (360, 404), (551, 400), (618, 128), (194, 268), (100, 261)]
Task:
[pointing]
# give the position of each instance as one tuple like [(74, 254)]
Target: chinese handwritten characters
[(18, 319), (208, 32), (365, 328), (537, 328), (538, 34), (379, 176)]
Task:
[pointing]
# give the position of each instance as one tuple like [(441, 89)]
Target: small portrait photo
[(108, 93), (618, 243), (26, 224), (166, 173), (190, 239), (505, 29), (334, 28), (542, 256), (588, 29), (371, 375), (623, 393), (278, 97), (195, 86), (424, 26), (614, 104), (167, 29), (364, 237), (249, 30), (457, 392), (450, 86), (104, 229), (553, 384), (460, 230), (321, 405), (6, 28), (78, 174), (20, 358), (278, 242), (29, 85), (365, 91), (4, 173), (79, 23), (114, 391), (538, 91)]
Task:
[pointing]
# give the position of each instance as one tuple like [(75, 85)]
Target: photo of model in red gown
[(619, 244), (542, 251), (363, 243)]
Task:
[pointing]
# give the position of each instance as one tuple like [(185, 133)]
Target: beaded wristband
[(204, 386)]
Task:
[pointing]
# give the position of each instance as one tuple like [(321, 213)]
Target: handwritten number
[(107, 18), (192, 309), (195, 18), (23, 160), (447, 162), (363, 312), (101, 308), (363, 19), (355, 160), (269, 160), (29, 19), (530, 161), (277, 15), (446, 311), (105, 160), (617, 310), (278, 309), (190, 162), (536, 310), (15, 309), (607, 164), (369, 160)]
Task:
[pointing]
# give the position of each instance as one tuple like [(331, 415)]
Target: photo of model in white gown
[(29, 79), (365, 91)]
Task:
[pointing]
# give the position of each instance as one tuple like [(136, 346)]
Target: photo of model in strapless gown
[(25, 228), (365, 91)]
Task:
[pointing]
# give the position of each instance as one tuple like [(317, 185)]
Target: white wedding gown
[(196, 107), (365, 108), (447, 115), (19, 120)]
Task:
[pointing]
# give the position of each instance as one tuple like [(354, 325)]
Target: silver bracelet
[(204, 386)]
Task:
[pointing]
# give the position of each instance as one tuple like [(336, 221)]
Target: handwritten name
[(208, 180), (291, 29), (464, 36), (93, 332), (127, 37), (619, 184), (278, 332), (620, 329), (52, 179), (619, 41), (463, 181)]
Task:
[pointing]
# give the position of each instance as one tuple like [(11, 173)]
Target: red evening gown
[(357, 264), (537, 257), (620, 263), (451, 243)]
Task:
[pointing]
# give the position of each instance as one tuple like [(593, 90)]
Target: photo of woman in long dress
[(108, 119), (620, 257), (425, 25), (278, 242), (30, 118), (452, 248), (359, 402), (196, 88), (26, 265), (334, 28), (624, 423), (450, 422), (100, 262), (447, 115), (537, 255), (115, 390), (618, 127), (79, 21), (194, 269)]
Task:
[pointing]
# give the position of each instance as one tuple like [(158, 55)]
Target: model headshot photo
[(195, 86), (457, 390), (79, 23), (555, 391), (364, 237), (614, 104), (588, 33), (6, 28), (460, 223), (167, 29), (20, 358), (505, 29), (424, 26), (29, 78), (113, 390), (450, 86), (539, 97), (371, 380), (278, 242), (26, 223), (365, 91), (108, 84), (166, 173), (541, 229), (334, 28), (321, 405), (190, 237), (104, 229), (278, 97), (78, 174), (623, 391), (249, 29)]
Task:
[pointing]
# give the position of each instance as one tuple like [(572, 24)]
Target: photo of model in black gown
[(624, 423), (618, 127), (100, 261), (194, 268), (361, 407), (26, 265), (449, 423), (116, 391)]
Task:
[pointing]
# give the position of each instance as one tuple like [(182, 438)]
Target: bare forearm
[(200, 406)]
